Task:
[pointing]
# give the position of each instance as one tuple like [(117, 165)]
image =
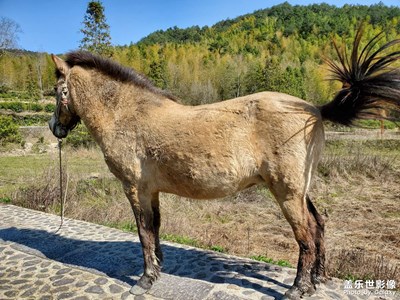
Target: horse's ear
[(61, 65)]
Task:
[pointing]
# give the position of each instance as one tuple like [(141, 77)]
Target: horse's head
[(64, 118)]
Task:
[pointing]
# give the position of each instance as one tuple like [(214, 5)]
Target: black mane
[(113, 69)]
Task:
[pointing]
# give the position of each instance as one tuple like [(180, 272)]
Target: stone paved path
[(88, 261)]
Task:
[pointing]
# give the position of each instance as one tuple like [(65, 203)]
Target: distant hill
[(307, 21), (18, 52)]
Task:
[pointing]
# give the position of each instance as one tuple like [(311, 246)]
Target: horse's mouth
[(59, 130)]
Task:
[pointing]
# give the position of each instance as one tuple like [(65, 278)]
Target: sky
[(53, 26)]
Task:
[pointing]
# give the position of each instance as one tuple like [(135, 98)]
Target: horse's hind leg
[(319, 273), (148, 223), (295, 209), (155, 204)]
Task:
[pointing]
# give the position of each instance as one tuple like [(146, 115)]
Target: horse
[(154, 144)]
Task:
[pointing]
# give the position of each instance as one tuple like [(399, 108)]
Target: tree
[(157, 74), (96, 31), (9, 30), (219, 45)]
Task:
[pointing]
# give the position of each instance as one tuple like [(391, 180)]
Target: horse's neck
[(106, 106)]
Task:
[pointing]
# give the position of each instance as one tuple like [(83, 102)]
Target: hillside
[(322, 20)]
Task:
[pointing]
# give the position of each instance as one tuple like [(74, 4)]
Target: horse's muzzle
[(60, 131)]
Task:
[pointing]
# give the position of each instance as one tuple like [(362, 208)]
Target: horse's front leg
[(147, 221)]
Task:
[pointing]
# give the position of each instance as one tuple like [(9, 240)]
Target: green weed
[(217, 249), (184, 240), (281, 262), (5, 200), (125, 226)]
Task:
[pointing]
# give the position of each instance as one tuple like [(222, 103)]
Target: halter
[(63, 99)]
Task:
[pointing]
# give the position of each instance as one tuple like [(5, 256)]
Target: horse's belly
[(210, 183)]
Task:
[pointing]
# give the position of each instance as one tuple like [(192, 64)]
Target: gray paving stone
[(81, 298), (63, 271), (95, 290), (11, 294), (63, 281), (101, 281), (224, 296), (267, 298), (67, 295), (60, 289), (28, 293), (114, 289)]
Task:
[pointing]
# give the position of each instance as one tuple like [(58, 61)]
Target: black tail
[(370, 85)]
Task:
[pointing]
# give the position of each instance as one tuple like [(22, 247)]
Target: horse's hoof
[(311, 290), (293, 293), (320, 279), (138, 290), (142, 286)]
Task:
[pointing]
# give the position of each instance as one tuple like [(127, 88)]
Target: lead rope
[(62, 199)]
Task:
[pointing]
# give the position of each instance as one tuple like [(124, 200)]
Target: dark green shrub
[(4, 89), (35, 107), (49, 92), (80, 137), (9, 131), (18, 106), (49, 107), (5, 200), (31, 119), (14, 106)]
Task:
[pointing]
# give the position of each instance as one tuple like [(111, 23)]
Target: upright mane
[(114, 70)]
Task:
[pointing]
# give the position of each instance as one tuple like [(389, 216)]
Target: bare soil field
[(357, 188)]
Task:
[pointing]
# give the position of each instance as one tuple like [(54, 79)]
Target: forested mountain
[(306, 21), (281, 48)]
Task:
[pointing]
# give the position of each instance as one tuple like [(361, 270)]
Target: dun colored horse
[(153, 144)]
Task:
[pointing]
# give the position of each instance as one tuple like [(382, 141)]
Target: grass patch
[(358, 265), (376, 124), (281, 262), (217, 249), (376, 147), (20, 171), (184, 240), (5, 200), (373, 158), (124, 226)]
